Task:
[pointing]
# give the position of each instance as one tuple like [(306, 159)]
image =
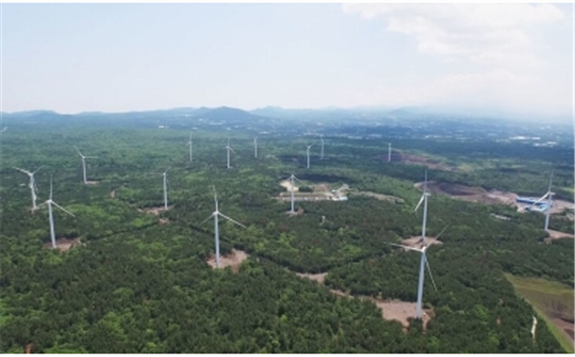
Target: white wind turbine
[(189, 143), (423, 263), (228, 149), (292, 178), (165, 175), (256, 147), (49, 202), (424, 200), (84, 163), (307, 151), (32, 185), (549, 196), (321, 155), (388, 152), (216, 214)]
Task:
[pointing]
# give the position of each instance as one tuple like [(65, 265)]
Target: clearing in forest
[(64, 244), (553, 302), (154, 210), (234, 259), (416, 159), (397, 310)]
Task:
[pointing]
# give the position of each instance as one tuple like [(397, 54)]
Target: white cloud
[(498, 49)]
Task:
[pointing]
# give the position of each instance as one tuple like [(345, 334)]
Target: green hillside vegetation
[(139, 286)]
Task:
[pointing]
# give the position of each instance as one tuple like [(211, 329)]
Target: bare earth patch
[(154, 210), (553, 235), (299, 212), (379, 196), (64, 244), (320, 278), (164, 221), (287, 185), (234, 259), (413, 241), (415, 159), (92, 182), (400, 311), (471, 194)]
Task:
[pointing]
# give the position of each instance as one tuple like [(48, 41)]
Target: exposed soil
[(379, 196), (299, 212), (64, 244), (287, 185), (467, 193), (153, 210), (415, 159), (88, 182), (234, 259), (164, 221), (553, 235), (320, 278), (397, 310), (414, 241), (28, 348)]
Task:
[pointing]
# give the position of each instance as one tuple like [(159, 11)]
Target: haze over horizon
[(511, 60)]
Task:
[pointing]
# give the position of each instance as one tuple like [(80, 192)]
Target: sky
[(514, 59)]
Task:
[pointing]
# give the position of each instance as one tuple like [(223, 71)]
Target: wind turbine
[(321, 155), (215, 214), (49, 202), (424, 200), (423, 263), (388, 152), (32, 185), (84, 163), (189, 143), (308, 147), (229, 148), (165, 174), (549, 196), (256, 147), (292, 178)]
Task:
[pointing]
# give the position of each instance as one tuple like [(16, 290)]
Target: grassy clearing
[(549, 299)]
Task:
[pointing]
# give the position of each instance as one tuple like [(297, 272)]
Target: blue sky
[(513, 59)]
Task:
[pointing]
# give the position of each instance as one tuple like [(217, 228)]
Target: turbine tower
[(84, 163), (216, 214), (321, 155), (49, 202), (549, 196), (229, 148), (189, 143), (388, 152), (32, 185), (423, 263), (165, 174), (292, 178), (424, 200), (308, 147), (256, 147)]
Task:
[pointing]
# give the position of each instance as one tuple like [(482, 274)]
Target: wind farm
[(351, 222)]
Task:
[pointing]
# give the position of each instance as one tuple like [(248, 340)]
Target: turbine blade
[(541, 199), (231, 220), (420, 201), (78, 151), (51, 187), (63, 209), (439, 235), (38, 169), (22, 170), (232, 150), (429, 270), (550, 182), (205, 220)]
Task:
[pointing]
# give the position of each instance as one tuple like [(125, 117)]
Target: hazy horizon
[(513, 60)]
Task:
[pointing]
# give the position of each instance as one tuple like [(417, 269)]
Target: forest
[(140, 283)]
